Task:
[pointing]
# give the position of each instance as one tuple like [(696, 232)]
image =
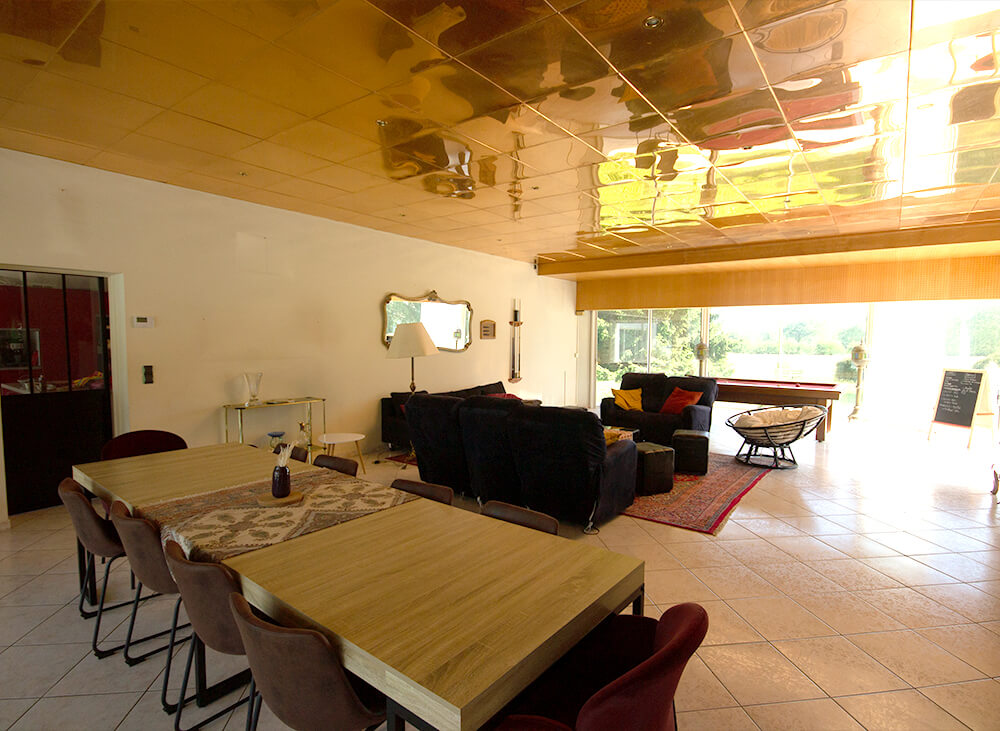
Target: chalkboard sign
[(958, 398)]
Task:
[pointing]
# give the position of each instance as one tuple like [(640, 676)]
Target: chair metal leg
[(131, 660), (100, 613), (167, 706), (210, 694), (253, 712), (87, 583)]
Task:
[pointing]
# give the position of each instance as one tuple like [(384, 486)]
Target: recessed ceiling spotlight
[(381, 122), (243, 173), (653, 21)]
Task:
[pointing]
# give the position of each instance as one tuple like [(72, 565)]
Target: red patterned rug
[(408, 458), (700, 502)]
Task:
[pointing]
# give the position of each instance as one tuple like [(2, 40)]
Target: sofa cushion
[(628, 400), (653, 385), (678, 399)]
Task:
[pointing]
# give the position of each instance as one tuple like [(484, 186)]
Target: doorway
[(55, 380)]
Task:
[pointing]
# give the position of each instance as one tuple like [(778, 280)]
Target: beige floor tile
[(666, 588), (624, 531), (800, 715), (755, 551), (901, 710), (15, 622), (29, 671), (668, 534), (13, 709), (732, 531), (726, 627), (814, 525), (961, 567), (989, 535), (699, 555), (966, 600), (32, 561), (990, 558), (974, 704), (976, 645), (796, 578), (847, 613), (911, 608), (84, 711), (769, 527), (826, 507), (757, 673), (853, 575), (858, 546), (654, 555), (906, 543), (779, 618), (807, 548), (915, 659), (908, 571), (990, 587), (952, 540), (839, 667), (860, 523), (700, 689), (720, 719), (734, 581), (944, 519), (44, 589), (991, 626)]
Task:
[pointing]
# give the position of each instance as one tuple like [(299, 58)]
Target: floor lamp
[(411, 341)]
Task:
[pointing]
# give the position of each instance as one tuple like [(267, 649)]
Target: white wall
[(236, 286)]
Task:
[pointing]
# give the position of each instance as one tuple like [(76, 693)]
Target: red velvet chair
[(623, 675), (144, 441)]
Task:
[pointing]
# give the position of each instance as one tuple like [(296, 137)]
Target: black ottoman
[(654, 471), (691, 451)]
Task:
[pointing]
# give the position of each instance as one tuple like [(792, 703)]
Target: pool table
[(781, 393)]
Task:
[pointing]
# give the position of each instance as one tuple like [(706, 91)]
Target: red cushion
[(678, 399), (503, 395)]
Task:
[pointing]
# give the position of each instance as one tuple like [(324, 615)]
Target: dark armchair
[(656, 387), (565, 468)]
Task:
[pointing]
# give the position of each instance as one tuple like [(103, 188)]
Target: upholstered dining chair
[(299, 676), (298, 453), (205, 588), (622, 675), (440, 493), (143, 441), (521, 516), (99, 538), (338, 464), (141, 538)]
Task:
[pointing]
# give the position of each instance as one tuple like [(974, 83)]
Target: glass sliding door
[(622, 346), (675, 336)]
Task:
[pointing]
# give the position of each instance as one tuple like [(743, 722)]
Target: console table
[(306, 401)]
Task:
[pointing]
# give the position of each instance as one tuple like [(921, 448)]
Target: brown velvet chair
[(144, 441), (429, 490), (521, 516), (298, 453), (299, 675), (141, 538), (338, 464), (98, 537), (205, 588), (622, 675)]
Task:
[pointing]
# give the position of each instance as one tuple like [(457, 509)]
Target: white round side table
[(331, 440)]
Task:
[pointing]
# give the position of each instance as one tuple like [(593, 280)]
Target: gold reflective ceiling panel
[(560, 131)]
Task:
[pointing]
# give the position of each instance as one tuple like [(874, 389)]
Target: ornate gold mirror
[(448, 323)]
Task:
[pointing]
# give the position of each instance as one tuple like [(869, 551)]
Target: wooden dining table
[(449, 613)]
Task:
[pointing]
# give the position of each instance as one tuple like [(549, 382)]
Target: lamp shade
[(411, 341)]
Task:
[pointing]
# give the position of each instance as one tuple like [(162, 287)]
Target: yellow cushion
[(628, 400)]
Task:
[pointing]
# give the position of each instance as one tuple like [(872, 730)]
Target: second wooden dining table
[(447, 612)]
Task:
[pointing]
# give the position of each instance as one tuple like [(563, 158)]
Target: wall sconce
[(515, 344)]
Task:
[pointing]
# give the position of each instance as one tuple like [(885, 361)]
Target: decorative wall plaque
[(487, 329)]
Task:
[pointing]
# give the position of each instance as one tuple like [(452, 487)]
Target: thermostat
[(143, 321)]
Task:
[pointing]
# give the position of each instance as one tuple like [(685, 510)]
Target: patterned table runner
[(225, 523)]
